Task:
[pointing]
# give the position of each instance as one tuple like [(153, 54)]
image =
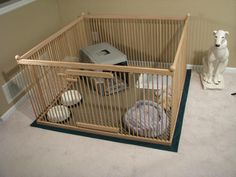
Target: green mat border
[(175, 143)]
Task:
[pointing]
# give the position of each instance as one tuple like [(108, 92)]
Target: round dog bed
[(71, 97), (58, 113), (141, 119)]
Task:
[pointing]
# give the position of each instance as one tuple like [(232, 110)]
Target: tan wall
[(206, 16), (20, 30)]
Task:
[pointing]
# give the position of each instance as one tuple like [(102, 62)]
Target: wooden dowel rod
[(62, 74), (71, 80), (89, 73)]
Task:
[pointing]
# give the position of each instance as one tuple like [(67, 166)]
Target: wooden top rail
[(184, 33), (132, 17), (89, 66)]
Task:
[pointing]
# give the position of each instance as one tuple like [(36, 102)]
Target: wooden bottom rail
[(98, 127), (108, 134)]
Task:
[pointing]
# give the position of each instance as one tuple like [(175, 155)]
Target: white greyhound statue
[(214, 65)]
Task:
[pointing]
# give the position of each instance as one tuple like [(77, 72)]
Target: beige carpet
[(207, 145)]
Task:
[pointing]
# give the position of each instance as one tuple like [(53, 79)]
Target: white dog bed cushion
[(70, 97), (146, 116), (58, 113)]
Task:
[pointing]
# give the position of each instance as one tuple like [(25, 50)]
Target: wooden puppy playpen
[(145, 109)]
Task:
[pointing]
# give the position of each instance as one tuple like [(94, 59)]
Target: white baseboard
[(194, 67), (230, 70), (7, 114), (13, 5), (199, 67)]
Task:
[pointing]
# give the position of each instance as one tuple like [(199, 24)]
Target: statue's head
[(220, 38)]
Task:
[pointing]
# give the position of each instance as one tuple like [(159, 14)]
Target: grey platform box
[(104, 53)]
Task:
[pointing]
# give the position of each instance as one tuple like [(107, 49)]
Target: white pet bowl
[(58, 113), (70, 98)]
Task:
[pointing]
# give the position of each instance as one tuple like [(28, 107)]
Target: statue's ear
[(214, 32), (227, 33)]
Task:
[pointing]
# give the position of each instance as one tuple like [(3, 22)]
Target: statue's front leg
[(219, 71), (209, 75)]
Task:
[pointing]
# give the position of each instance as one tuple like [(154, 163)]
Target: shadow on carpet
[(175, 143)]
